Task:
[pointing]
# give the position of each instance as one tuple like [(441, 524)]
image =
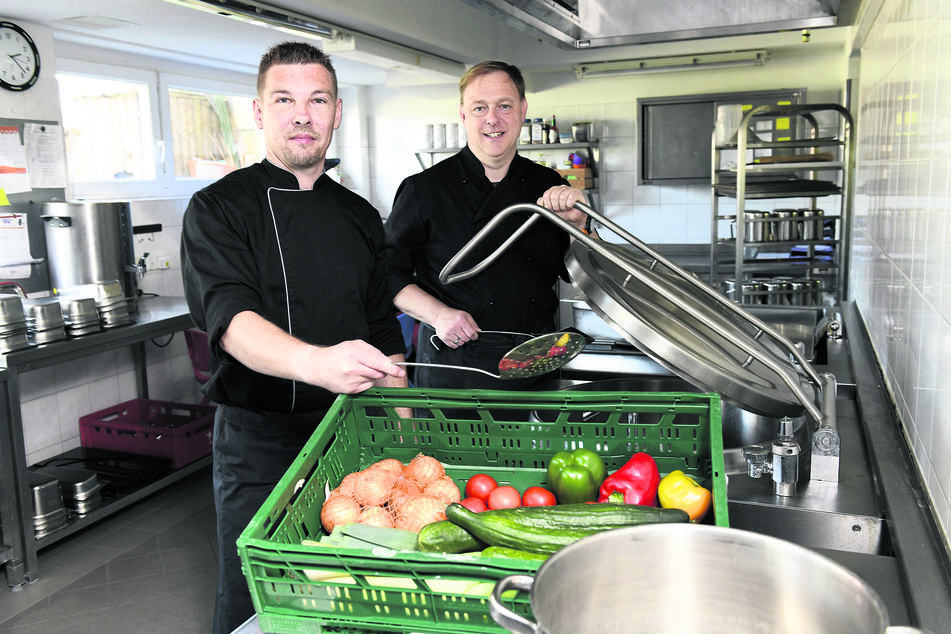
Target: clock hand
[(15, 58)]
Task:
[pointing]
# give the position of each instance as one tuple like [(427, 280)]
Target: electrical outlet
[(163, 262)]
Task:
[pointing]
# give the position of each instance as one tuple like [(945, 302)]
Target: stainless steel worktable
[(157, 317)]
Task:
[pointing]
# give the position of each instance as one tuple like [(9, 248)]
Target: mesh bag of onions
[(390, 494)]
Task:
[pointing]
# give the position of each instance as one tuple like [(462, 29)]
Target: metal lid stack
[(13, 330), (44, 321), (80, 488), (80, 315), (113, 305), (49, 511)]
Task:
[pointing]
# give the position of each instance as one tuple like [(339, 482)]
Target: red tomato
[(537, 496), (480, 485), (474, 504), (504, 497)]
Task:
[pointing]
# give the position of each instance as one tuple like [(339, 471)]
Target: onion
[(339, 510), (348, 484), (403, 491), (443, 489), (424, 469), (419, 512), (376, 516), (389, 465), (373, 487)]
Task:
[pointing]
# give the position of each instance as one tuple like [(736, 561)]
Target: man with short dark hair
[(283, 269), (437, 211)]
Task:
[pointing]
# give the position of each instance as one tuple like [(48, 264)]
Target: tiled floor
[(148, 568)]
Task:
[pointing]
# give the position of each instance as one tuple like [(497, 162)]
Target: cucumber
[(446, 537), (511, 553), (545, 529)]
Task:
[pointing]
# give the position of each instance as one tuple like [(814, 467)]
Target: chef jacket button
[(465, 180), (491, 303), (529, 258), (532, 300)]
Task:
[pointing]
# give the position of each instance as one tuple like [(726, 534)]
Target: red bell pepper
[(634, 483)]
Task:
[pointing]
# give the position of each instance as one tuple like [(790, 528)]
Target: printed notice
[(45, 155), (15, 259), (14, 177)]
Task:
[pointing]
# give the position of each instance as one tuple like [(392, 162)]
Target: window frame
[(165, 184), (167, 81)]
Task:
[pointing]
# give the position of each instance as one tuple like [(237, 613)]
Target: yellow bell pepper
[(677, 490)]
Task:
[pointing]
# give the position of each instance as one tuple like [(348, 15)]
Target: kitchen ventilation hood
[(600, 23)]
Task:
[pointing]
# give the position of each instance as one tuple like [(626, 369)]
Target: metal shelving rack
[(158, 317), (786, 174)]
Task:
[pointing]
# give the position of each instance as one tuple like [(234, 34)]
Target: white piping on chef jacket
[(287, 295)]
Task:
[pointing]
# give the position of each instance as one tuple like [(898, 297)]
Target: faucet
[(825, 440), (785, 450), (784, 465)]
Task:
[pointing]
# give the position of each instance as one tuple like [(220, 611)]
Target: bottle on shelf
[(525, 138), (538, 131), (553, 136)]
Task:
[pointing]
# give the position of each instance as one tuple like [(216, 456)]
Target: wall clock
[(19, 58)]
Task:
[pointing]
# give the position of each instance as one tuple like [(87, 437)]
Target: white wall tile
[(41, 427), (901, 272), (69, 374), (72, 404), (107, 363), (103, 393)]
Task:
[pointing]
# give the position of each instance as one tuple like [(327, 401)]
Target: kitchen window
[(134, 133), (108, 125), (211, 127)]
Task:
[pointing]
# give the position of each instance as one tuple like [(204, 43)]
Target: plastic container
[(178, 431), (299, 588)]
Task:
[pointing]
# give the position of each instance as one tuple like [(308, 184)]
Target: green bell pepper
[(575, 476)]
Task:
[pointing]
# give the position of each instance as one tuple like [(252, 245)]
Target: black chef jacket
[(308, 261), (437, 211)]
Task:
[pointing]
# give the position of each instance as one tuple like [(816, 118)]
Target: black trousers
[(250, 454)]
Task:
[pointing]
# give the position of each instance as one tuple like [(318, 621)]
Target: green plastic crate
[(299, 588)]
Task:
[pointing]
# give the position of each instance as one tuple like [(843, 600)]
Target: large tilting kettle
[(698, 334), (89, 243)]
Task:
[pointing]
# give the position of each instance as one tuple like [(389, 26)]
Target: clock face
[(19, 59)]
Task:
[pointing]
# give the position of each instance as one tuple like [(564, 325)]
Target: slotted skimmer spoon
[(539, 355)]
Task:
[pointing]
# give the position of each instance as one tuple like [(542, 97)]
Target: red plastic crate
[(179, 431)]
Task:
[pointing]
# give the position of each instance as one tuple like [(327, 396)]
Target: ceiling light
[(382, 54), (353, 46), (261, 14), (705, 61)]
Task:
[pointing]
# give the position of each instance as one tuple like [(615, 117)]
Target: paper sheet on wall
[(15, 259), (45, 154), (14, 177)]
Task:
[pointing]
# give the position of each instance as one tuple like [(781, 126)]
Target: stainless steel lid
[(661, 314), (670, 315)]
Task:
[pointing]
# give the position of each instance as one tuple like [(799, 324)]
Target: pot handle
[(501, 614)]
